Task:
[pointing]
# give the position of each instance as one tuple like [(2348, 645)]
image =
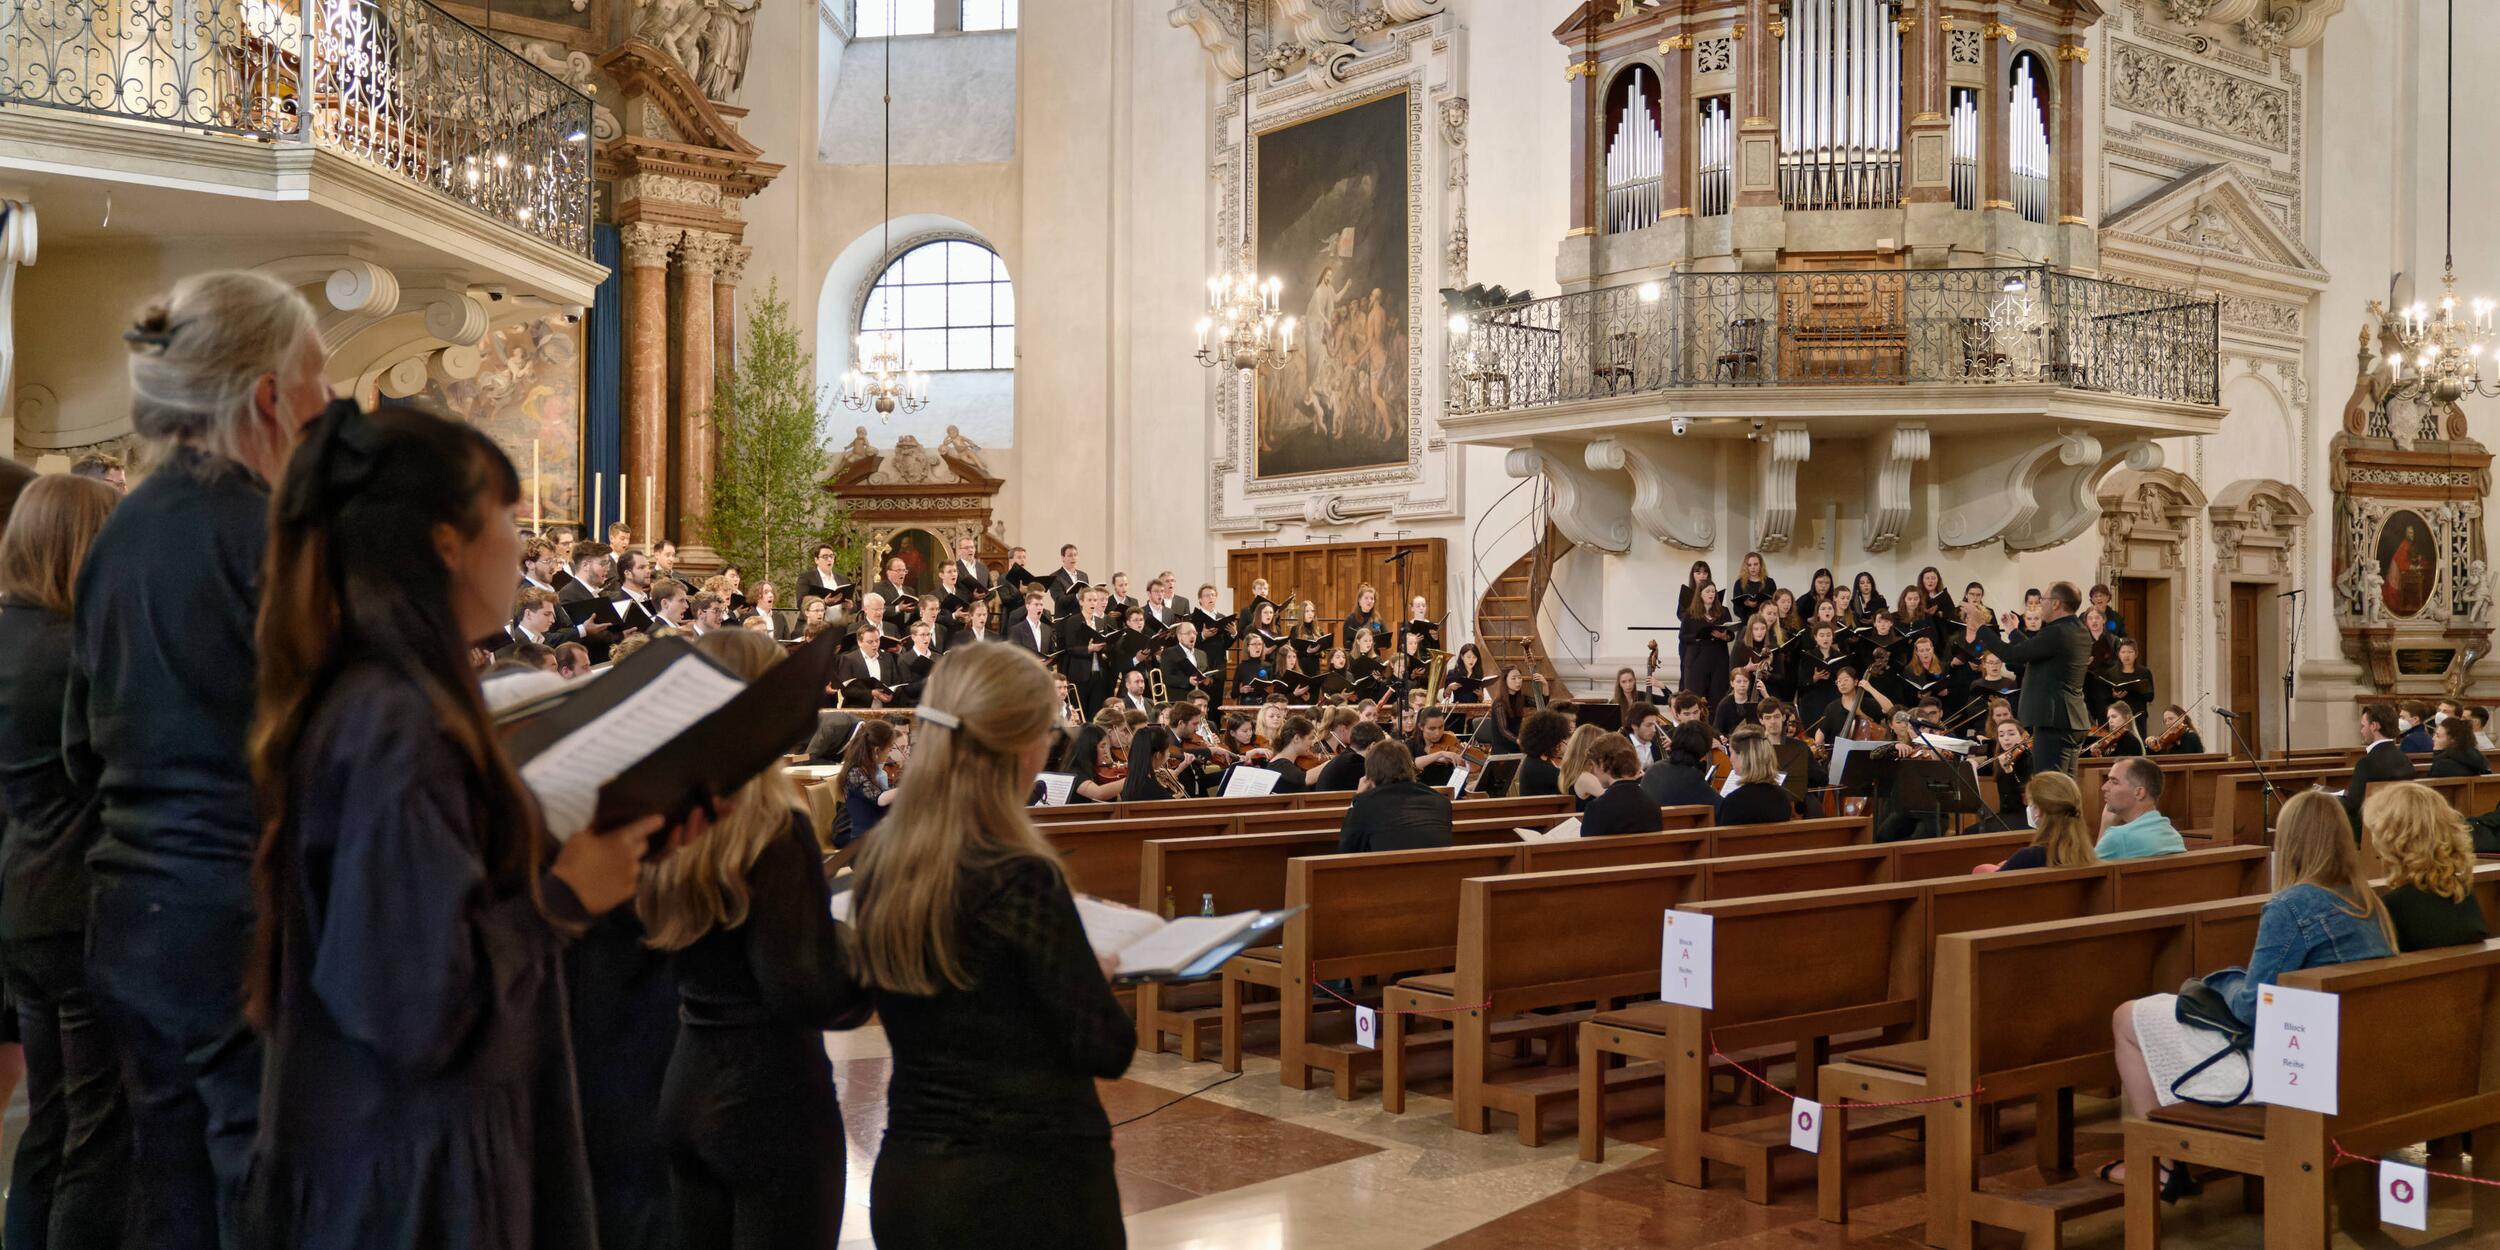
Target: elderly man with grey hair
[(224, 371)]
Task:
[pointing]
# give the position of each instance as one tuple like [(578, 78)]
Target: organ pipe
[(1715, 157), (1840, 105), (1635, 155), (2027, 147)]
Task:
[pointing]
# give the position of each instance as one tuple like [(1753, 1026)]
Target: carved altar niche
[(2146, 517), (2256, 528), (897, 493), (2412, 579)]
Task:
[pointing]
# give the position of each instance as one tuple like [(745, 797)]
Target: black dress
[(420, 1088), (1705, 656), (753, 1132), (992, 1122), (1621, 809)]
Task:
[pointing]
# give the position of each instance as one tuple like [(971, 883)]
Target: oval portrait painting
[(2408, 558)]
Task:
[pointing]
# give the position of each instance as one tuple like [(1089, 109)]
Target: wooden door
[(2248, 625), (2133, 597)]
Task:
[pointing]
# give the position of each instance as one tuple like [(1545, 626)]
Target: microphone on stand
[(2226, 714)]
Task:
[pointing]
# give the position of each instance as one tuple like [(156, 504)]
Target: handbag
[(2202, 1006)]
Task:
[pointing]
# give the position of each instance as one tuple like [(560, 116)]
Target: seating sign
[(1367, 1028), (2404, 1198), (2293, 1060), (1805, 1126), (1684, 972)]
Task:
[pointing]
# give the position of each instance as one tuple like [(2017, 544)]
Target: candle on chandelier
[(598, 502), (535, 514), (1204, 324), (650, 518)]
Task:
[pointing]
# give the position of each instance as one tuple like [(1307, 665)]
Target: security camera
[(1757, 429), (1680, 425)]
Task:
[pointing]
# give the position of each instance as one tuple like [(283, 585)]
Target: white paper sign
[(2404, 1195), (2294, 1058), (1367, 1028), (1684, 972), (1805, 1126)]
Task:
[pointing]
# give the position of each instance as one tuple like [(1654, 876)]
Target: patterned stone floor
[(1251, 1165)]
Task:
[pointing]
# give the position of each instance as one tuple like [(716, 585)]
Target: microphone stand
[(1951, 761), (2291, 667), (2274, 799)]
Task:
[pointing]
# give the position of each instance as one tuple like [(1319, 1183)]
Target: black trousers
[(66, 1190), (754, 1139), (2055, 750), (1058, 1195), (167, 975)]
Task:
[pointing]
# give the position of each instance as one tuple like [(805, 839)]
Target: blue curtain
[(603, 396)]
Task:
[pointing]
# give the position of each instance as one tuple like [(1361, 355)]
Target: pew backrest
[(1575, 913), (1382, 912), (2025, 1008), (2415, 1033)]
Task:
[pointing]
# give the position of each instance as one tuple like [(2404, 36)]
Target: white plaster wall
[(962, 110)]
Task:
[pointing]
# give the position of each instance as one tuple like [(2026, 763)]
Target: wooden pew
[(1609, 957), (2418, 1057), (1767, 946)]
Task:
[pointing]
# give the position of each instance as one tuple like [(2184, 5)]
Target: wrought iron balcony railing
[(1836, 328), (399, 85)]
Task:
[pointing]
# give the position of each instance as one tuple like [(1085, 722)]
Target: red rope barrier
[(1757, 1079), (2342, 1154), (1403, 1011)]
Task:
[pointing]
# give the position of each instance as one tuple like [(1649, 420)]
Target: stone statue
[(911, 463), (859, 450), (675, 27), (956, 447), (727, 35), (2474, 593)]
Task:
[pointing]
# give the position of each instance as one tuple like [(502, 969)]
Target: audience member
[(2381, 760), (1541, 739), (1758, 798), (1680, 780), (1622, 806), (2132, 825), (2429, 865), (2458, 756), (1394, 811), (2061, 839)]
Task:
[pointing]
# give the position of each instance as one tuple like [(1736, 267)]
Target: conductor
[(2053, 660)]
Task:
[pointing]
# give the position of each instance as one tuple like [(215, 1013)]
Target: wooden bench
[(1798, 970), (2418, 1057), (1609, 957)]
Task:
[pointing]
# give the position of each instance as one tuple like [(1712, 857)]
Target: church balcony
[(388, 123), (2018, 388)]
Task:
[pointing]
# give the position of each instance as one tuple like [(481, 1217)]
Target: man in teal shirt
[(2132, 827)]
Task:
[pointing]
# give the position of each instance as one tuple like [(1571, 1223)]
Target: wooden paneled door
[(2250, 621)]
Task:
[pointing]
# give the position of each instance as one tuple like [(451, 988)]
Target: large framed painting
[(527, 396), (2408, 561), (1332, 223)]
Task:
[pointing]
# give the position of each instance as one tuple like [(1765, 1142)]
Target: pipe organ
[(1696, 114), (1840, 105)]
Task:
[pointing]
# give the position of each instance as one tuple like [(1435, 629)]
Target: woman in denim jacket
[(2323, 912)]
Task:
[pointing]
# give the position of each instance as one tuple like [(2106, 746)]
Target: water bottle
[(1206, 904)]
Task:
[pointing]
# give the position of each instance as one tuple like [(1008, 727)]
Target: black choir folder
[(662, 732)]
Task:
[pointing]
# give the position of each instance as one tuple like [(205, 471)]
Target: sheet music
[(1458, 781), (1055, 787), (1109, 927), (567, 776), (1729, 786), (1564, 832), (1250, 783)]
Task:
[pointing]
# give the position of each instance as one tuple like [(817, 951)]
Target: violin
[(1308, 760), (1167, 773), (2166, 739), (2106, 739)]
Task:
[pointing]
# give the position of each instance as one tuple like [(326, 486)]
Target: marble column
[(647, 248), (725, 324), (2068, 129), (698, 259), (1996, 173)]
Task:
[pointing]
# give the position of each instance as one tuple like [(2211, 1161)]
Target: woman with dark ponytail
[(411, 908)]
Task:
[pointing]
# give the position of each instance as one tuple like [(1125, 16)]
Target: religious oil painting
[(527, 396), (1333, 226), (921, 553), (2408, 560)]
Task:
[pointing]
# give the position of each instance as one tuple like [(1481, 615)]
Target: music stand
[(1939, 786)]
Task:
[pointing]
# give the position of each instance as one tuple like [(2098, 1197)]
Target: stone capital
[(647, 244), (701, 252), (732, 269)]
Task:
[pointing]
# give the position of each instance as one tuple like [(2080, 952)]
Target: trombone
[(1156, 688)]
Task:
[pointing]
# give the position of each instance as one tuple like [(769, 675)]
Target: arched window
[(951, 302)]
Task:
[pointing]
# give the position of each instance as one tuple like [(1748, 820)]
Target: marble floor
[(1247, 1164)]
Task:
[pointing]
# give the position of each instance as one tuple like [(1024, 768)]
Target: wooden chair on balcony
[(1616, 371), (1740, 349)]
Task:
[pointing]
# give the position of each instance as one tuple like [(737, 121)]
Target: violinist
[(1292, 755), (866, 790), (1434, 748), (1155, 762), (1740, 705), (1199, 768), (1344, 770), (1904, 816), (2117, 737), (1851, 714), (1646, 726), (2009, 763), (2178, 734), (1099, 778)]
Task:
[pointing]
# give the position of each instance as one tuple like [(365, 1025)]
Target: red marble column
[(698, 258), (725, 325), (1996, 173), (647, 248), (2068, 128)]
